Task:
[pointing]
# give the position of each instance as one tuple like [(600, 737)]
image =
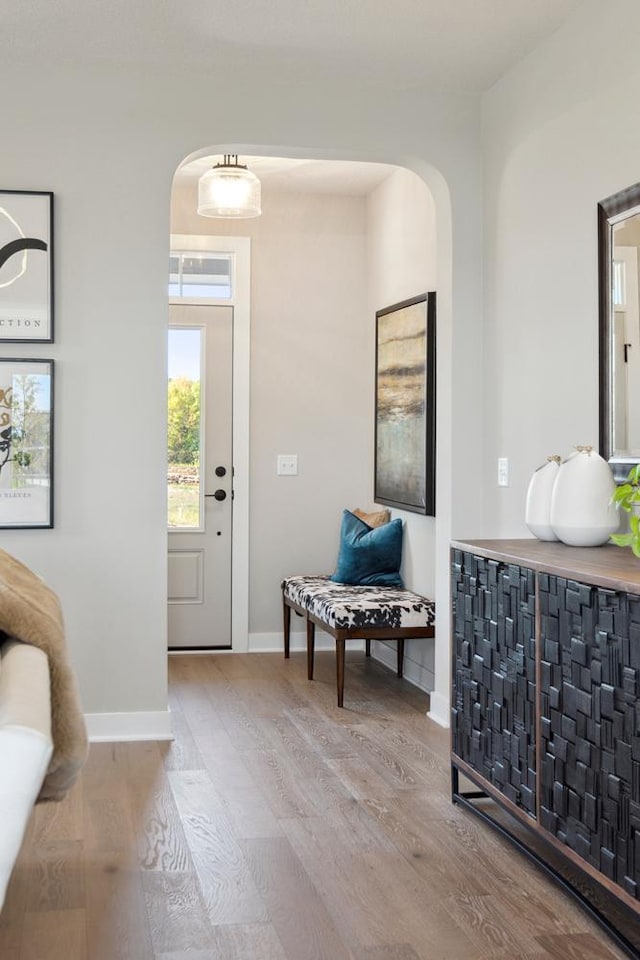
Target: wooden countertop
[(608, 566)]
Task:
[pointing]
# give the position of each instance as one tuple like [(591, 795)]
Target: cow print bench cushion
[(342, 606)]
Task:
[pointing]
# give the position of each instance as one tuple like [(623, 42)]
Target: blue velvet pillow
[(369, 556)]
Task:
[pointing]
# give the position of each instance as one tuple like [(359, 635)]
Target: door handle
[(219, 494)]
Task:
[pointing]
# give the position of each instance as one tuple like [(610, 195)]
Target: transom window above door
[(200, 276)]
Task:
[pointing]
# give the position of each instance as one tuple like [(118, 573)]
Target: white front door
[(200, 476)]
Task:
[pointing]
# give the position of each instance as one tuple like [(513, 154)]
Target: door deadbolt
[(221, 471)]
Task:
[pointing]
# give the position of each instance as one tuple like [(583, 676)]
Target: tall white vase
[(538, 507), (581, 510)]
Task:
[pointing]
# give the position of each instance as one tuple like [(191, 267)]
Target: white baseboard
[(152, 725), (273, 643), (207, 652), (440, 710), (416, 673)]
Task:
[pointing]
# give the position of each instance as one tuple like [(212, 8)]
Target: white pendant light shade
[(229, 190)]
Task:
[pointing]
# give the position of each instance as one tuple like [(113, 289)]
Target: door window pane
[(174, 275), (200, 275), (185, 455)]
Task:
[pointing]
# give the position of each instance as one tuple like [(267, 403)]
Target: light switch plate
[(287, 465), (503, 471)]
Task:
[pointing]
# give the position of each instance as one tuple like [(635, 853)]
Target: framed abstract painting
[(405, 411), (26, 266)]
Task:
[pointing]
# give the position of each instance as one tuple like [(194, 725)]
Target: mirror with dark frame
[(619, 334)]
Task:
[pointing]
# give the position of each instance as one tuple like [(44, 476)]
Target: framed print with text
[(26, 443), (26, 266), (405, 426)]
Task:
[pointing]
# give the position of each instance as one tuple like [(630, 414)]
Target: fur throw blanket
[(30, 612)]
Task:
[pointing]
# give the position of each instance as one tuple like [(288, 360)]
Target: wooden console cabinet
[(546, 697)]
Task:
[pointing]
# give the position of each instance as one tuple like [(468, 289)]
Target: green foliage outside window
[(184, 421)]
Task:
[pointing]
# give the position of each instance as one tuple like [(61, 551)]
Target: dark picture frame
[(405, 405), (26, 443), (26, 266), (612, 212)]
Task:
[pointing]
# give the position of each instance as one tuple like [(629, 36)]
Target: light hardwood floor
[(277, 827)]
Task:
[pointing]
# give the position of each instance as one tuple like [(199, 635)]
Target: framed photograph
[(26, 443), (26, 266), (405, 432)]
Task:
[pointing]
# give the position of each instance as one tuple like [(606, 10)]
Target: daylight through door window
[(185, 454), (200, 276)]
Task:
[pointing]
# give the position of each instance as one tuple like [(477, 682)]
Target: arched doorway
[(293, 519)]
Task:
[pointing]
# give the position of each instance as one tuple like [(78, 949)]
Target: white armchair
[(25, 744)]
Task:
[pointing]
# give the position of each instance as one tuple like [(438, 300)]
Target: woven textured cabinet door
[(590, 724), (494, 691)]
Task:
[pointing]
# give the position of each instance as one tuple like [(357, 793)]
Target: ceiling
[(452, 45), (455, 46)]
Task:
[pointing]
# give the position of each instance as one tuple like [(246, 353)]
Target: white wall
[(558, 137), (401, 253), (107, 138), (310, 383)]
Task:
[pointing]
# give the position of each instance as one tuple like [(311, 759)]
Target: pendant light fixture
[(229, 190)]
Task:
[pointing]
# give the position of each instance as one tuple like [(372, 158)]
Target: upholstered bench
[(354, 613)]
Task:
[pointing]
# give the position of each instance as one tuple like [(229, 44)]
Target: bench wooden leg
[(367, 648), (340, 669), (286, 611), (400, 656), (311, 644)]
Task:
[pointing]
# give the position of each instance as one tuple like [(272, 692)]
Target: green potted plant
[(627, 498)]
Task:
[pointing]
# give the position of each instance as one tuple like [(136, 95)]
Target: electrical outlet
[(287, 465), (503, 471)]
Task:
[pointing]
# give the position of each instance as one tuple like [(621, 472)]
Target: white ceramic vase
[(538, 506), (581, 511)]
